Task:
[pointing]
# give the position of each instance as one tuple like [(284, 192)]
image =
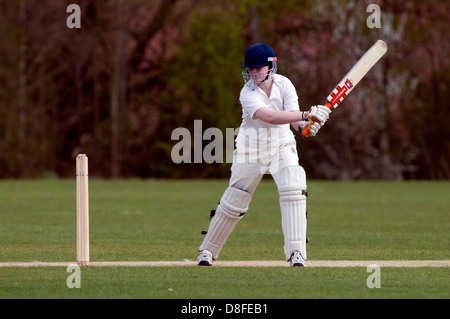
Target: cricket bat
[(356, 73)]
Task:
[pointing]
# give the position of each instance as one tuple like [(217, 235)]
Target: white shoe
[(205, 258), (297, 260)]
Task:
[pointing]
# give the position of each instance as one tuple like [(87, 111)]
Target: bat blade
[(352, 78), (356, 73)]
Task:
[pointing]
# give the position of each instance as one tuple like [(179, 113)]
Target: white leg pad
[(293, 211), (293, 221), (231, 209)]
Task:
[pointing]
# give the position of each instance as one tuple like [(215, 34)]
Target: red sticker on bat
[(340, 94), (348, 83)]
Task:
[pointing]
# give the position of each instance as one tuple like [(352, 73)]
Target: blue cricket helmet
[(258, 55)]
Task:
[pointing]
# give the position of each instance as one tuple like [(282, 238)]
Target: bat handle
[(306, 130)]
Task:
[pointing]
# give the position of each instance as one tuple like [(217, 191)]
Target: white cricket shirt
[(258, 135)]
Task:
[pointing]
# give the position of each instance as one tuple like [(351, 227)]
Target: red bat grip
[(306, 130)]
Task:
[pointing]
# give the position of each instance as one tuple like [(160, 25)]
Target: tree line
[(116, 88)]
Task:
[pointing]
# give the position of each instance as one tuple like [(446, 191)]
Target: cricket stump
[(82, 210)]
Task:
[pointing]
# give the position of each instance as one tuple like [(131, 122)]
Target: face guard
[(254, 80)]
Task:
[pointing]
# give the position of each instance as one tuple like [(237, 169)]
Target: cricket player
[(266, 144)]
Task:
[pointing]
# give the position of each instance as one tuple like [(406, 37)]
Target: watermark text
[(374, 280), (74, 279)]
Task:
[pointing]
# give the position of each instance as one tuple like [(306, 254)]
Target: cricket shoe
[(297, 260), (205, 258)]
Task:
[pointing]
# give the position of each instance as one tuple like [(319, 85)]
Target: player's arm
[(313, 119), (298, 125), (317, 113), (278, 117)]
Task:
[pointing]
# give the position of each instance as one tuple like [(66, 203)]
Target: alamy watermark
[(190, 148), (74, 19), (374, 19), (374, 280), (257, 146), (74, 279)]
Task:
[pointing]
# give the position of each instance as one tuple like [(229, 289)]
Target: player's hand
[(319, 114), (311, 128)]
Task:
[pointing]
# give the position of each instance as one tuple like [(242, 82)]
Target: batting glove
[(312, 128), (318, 114)]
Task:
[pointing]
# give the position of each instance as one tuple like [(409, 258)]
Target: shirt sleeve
[(251, 102), (290, 99)]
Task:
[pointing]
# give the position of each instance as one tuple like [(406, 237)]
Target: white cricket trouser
[(246, 175)]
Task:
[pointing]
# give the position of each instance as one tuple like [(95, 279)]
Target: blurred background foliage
[(116, 88)]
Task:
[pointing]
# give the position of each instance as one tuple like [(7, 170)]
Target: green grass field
[(151, 220)]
